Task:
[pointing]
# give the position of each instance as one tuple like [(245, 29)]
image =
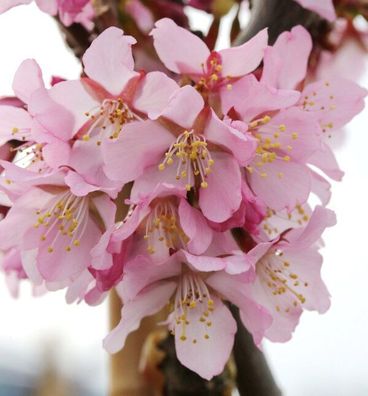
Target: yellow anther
[(76, 242), (204, 184), (86, 138), (68, 248), (183, 338), (161, 167), (282, 127), (15, 130), (188, 187), (294, 136), (286, 158), (192, 304), (229, 87), (50, 249)]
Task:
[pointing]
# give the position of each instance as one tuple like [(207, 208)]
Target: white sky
[(328, 354)]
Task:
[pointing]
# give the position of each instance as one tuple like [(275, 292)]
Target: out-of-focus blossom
[(325, 8), (69, 11)]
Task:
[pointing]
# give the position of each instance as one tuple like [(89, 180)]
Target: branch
[(278, 16), (254, 377)]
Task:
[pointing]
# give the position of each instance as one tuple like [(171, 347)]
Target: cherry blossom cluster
[(184, 193)]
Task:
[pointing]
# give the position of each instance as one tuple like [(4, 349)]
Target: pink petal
[(27, 80), (153, 94), (109, 60), (283, 184), (151, 178), (145, 304), (61, 265), (180, 51), (305, 237), (78, 186), (142, 144), (222, 198), (286, 62), (141, 14), (53, 117), (204, 263), (195, 227), (299, 134), (141, 272), (21, 217), (250, 98), (324, 8), (206, 356), (242, 146), (325, 160), (255, 317), (48, 6), (307, 265), (184, 106), (74, 96), (15, 124), (8, 4), (241, 60), (334, 102), (321, 188)]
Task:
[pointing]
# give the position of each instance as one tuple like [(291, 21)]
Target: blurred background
[(46, 343)]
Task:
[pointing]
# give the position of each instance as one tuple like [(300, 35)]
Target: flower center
[(270, 146), (212, 77), (192, 301), (281, 281), (66, 218), (107, 120), (163, 226), (193, 159)]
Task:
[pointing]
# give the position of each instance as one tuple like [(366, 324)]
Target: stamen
[(193, 159)]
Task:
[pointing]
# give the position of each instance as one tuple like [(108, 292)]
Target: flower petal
[(145, 304), (206, 349), (142, 144), (195, 227), (242, 146), (180, 50), (222, 198), (153, 93), (286, 62), (27, 79), (109, 60), (241, 60), (250, 98)]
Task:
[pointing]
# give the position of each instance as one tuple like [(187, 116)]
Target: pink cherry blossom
[(209, 70), (54, 224), (102, 105), (182, 154), (288, 275), (203, 326), (157, 225)]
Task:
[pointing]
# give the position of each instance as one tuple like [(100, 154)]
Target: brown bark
[(125, 377), (254, 377)]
